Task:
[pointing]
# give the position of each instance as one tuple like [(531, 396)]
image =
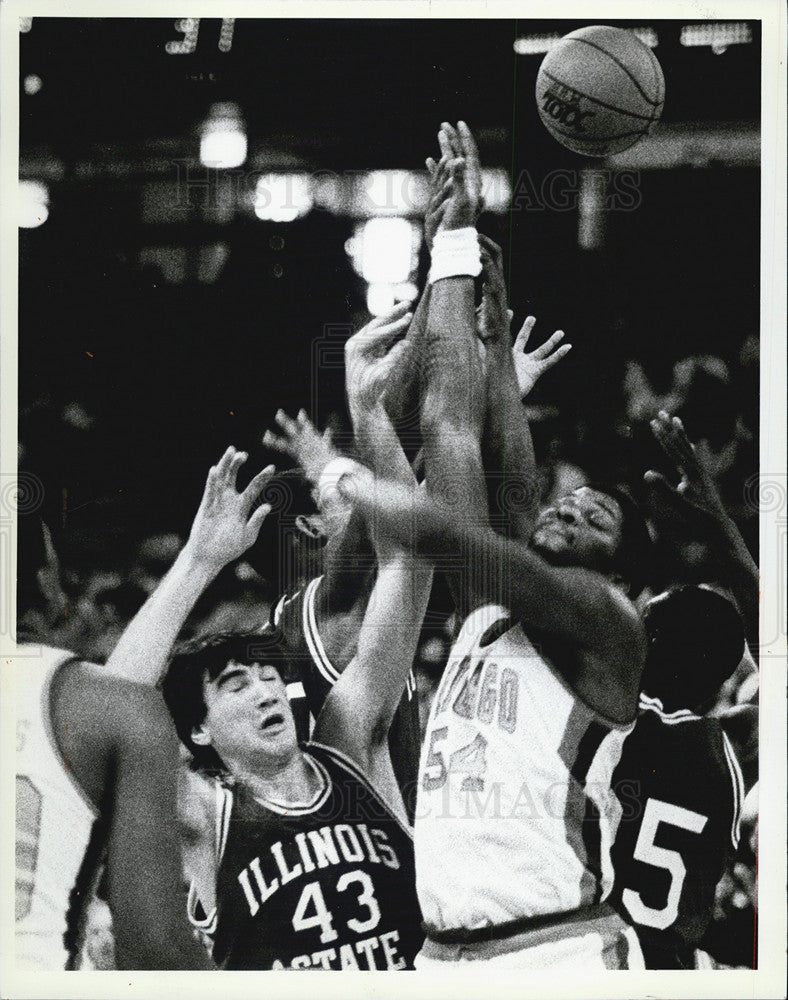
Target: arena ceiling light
[(32, 84), (283, 197), (496, 189), (717, 35), (33, 205), (385, 253), (223, 137), (533, 45)]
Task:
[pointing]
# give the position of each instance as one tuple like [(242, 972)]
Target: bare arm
[(359, 710), (511, 375), (222, 531), (698, 503), (574, 605), (453, 390), (507, 446), (124, 730), (401, 395)]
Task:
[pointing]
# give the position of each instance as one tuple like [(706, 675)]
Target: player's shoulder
[(701, 736), (626, 622), (125, 711)]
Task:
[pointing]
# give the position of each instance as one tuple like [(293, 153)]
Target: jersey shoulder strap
[(737, 783), (198, 916), (339, 761)]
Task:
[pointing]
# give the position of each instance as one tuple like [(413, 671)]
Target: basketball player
[(96, 760), (697, 502), (680, 822), (303, 856), (542, 685), (319, 614)]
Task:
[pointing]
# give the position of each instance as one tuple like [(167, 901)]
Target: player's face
[(248, 721), (581, 529)]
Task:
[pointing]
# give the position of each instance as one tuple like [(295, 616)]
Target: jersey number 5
[(646, 850)]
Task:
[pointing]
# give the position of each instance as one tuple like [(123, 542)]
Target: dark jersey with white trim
[(328, 885), (681, 792), (296, 616)]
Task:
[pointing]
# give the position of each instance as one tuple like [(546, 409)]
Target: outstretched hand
[(370, 357), (696, 496), (224, 526), (532, 365), (493, 319), (303, 442)]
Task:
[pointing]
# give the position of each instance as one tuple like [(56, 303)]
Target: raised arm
[(698, 504), (511, 374), (223, 529), (359, 710), (453, 396)]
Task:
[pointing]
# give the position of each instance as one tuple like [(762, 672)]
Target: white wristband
[(455, 252), (330, 476)]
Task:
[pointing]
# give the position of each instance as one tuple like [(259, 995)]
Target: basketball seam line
[(621, 65), (658, 77), (595, 100), (600, 138)]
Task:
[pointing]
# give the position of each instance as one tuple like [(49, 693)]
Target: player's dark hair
[(272, 555), (696, 641), (205, 658), (635, 553)]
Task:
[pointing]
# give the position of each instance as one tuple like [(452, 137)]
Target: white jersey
[(54, 821), (515, 816)]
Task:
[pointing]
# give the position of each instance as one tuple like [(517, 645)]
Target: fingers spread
[(238, 460), (525, 332), (541, 352), (271, 440), (253, 490), (555, 358), (224, 463), (288, 425)]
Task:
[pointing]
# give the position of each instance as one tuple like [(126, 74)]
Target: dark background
[(166, 375)]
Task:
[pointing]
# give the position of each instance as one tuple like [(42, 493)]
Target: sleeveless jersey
[(514, 818), (297, 615), (328, 885), (681, 792), (55, 824)]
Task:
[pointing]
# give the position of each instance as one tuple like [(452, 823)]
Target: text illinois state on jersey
[(328, 885)]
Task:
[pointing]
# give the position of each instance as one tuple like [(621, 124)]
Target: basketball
[(600, 90)]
